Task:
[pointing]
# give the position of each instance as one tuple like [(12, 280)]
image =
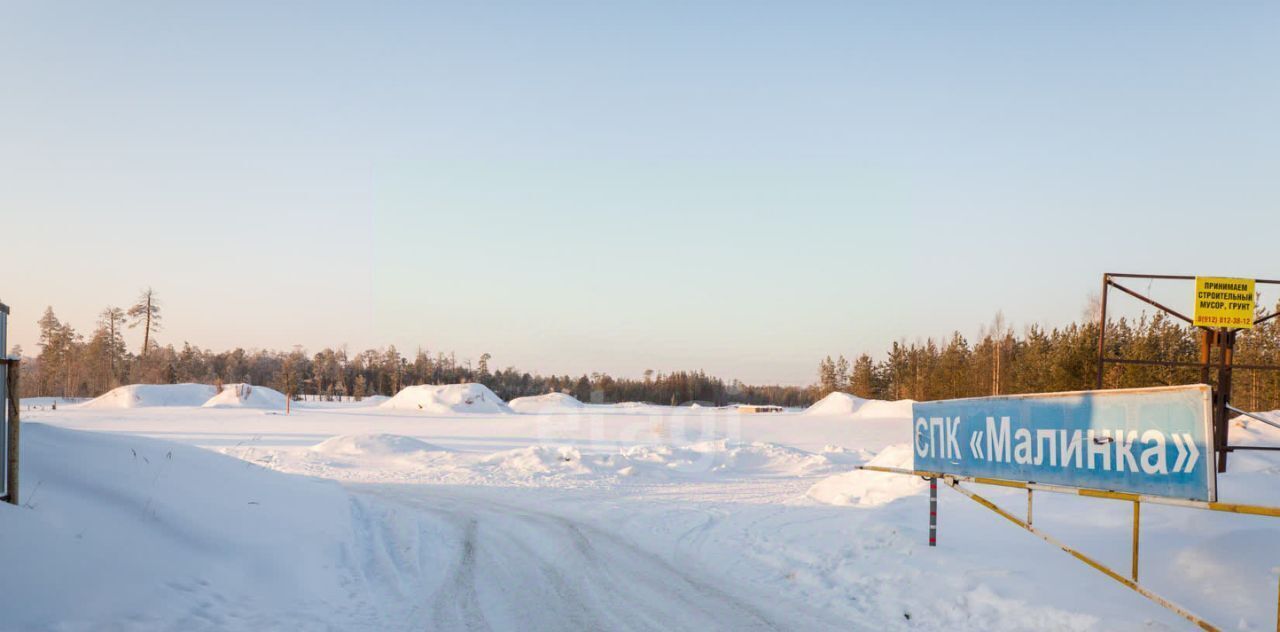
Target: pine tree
[(862, 380), (827, 376), (842, 374), (145, 312), (110, 320)]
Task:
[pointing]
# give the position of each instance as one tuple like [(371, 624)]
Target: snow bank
[(373, 445), (549, 403), (146, 395), (448, 399), (860, 488), (247, 396), (123, 532), (844, 404)]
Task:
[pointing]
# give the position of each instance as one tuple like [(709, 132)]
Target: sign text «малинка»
[(1144, 441)]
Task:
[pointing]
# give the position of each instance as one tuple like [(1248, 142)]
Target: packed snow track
[(516, 567)]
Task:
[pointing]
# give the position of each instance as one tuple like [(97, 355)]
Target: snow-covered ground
[(420, 515)]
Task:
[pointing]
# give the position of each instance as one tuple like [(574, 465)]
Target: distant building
[(759, 409)]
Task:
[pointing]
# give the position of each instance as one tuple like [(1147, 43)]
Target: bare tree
[(145, 312)]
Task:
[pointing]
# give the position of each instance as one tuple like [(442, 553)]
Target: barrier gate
[(1148, 445)]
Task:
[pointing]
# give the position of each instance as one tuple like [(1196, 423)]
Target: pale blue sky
[(735, 186)]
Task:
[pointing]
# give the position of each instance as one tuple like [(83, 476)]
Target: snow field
[(411, 518)]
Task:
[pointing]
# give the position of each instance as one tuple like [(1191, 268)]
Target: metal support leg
[(1137, 520), (1028, 505), (1132, 585), (933, 512)]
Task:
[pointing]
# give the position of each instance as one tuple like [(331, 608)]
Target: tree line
[(70, 364), (998, 361), (1039, 360)]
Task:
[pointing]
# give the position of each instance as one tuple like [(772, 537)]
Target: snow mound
[(448, 399), (844, 404), (247, 396), (538, 460), (147, 395), (836, 403), (549, 403), (861, 488), (373, 445)]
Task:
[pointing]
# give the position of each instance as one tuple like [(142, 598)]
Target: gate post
[(933, 512), (1227, 343), (15, 426), (1102, 330)]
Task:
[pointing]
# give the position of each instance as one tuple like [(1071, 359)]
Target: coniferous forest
[(999, 360)]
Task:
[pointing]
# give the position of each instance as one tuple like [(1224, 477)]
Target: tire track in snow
[(456, 605), (524, 568)]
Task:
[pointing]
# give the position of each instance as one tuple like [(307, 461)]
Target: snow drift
[(373, 445), (247, 396), (707, 460), (147, 395), (549, 403), (861, 488), (448, 399)]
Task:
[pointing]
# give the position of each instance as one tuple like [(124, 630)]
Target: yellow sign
[(1224, 302)]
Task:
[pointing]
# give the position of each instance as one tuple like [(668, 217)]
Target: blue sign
[(1152, 441)]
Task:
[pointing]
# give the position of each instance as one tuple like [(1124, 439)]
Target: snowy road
[(518, 567)]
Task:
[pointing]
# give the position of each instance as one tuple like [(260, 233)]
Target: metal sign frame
[(1222, 337)]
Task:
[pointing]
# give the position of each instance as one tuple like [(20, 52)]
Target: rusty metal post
[(933, 512), (1206, 351), (1102, 329), (15, 427), (1227, 345)]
